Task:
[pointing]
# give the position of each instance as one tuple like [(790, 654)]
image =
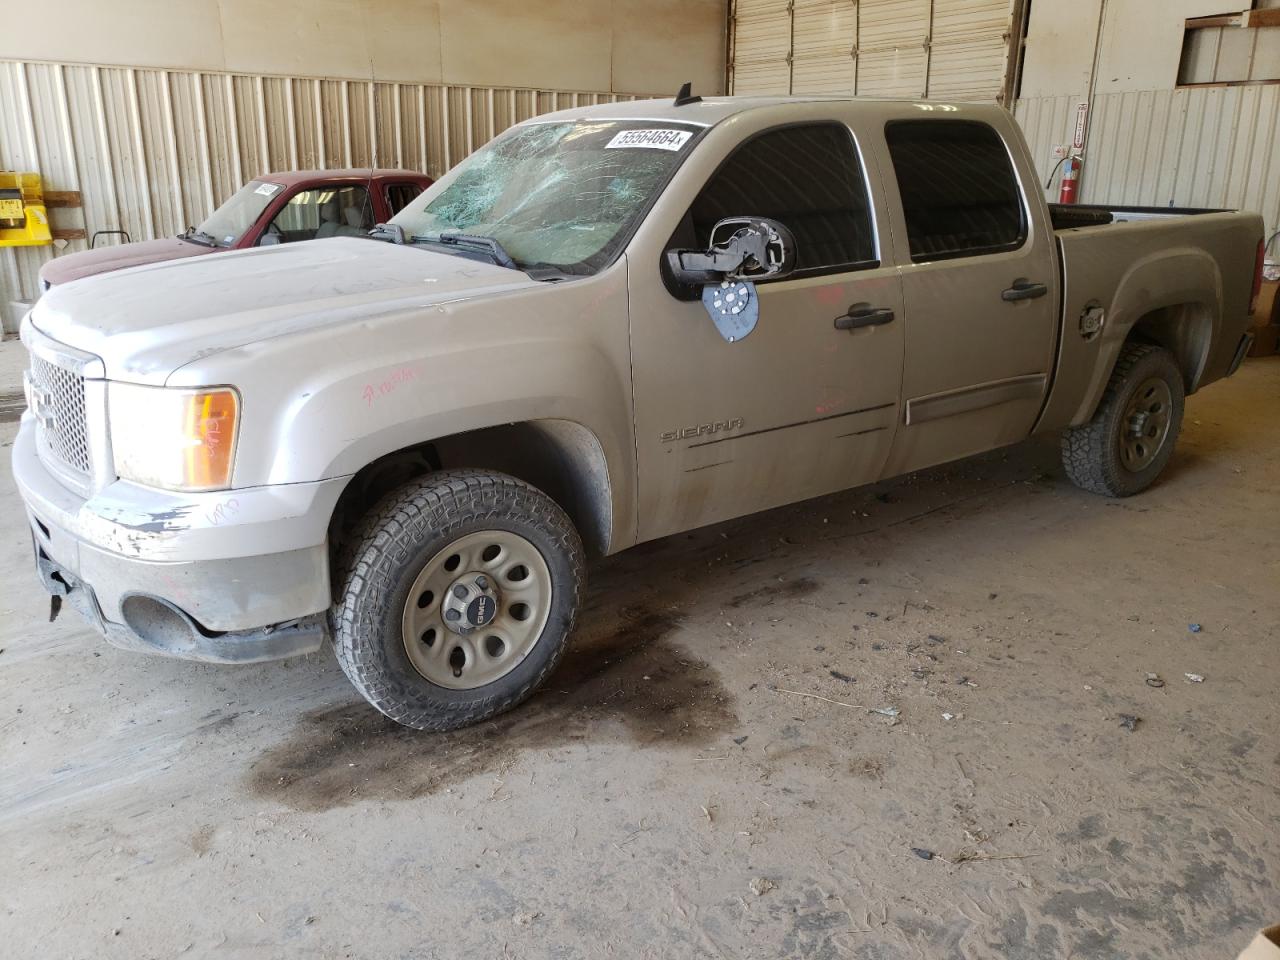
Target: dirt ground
[(706, 776)]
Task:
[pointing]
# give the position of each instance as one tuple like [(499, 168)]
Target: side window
[(808, 178), (399, 195), (323, 212), (959, 193)]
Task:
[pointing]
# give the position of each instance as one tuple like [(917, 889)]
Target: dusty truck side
[(609, 325)]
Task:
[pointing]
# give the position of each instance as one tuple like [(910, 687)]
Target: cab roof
[(291, 178), (711, 110)]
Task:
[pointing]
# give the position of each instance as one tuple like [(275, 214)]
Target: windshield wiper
[(199, 236), (496, 253)]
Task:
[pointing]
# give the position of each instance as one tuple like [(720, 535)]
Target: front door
[(981, 292), (799, 407)]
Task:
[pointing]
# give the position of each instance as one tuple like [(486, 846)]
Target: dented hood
[(147, 322)]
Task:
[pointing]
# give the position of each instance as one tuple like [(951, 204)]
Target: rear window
[(959, 193)]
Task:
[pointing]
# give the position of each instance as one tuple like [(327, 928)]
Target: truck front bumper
[(230, 577)]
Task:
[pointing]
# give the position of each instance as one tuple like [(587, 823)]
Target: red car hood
[(61, 270)]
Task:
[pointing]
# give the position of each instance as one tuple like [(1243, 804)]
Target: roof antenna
[(373, 125), (381, 231), (685, 96)]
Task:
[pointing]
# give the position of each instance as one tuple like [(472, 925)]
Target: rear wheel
[(1130, 439), (462, 590)]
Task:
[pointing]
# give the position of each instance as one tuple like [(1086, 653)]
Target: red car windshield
[(229, 222)]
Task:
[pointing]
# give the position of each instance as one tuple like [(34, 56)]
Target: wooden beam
[(1252, 19), (1262, 18), (62, 198), (1223, 20), (71, 234)]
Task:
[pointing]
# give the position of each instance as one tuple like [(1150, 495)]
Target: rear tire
[(461, 590), (1130, 439)]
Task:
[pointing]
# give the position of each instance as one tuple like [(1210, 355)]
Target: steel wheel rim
[(460, 654), (1145, 424)]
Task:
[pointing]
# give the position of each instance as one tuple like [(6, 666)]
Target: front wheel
[(1130, 439), (461, 592)]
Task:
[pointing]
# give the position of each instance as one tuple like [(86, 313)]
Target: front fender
[(324, 403)]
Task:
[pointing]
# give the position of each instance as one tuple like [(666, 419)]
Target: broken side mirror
[(743, 251), (742, 248)]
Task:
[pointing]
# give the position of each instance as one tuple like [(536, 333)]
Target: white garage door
[(889, 48)]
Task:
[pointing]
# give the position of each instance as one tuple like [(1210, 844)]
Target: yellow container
[(24, 222)]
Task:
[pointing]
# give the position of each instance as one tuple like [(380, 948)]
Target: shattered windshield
[(563, 195), (228, 223)]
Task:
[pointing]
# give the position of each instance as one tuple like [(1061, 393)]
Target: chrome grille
[(57, 400)]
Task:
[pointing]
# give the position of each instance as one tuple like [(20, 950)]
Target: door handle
[(1024, 289), (864, 315)]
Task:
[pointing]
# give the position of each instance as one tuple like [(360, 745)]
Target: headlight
[(175, 439)]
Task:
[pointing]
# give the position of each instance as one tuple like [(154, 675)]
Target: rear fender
[(1171, 297)]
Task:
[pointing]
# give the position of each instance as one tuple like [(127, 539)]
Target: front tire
[(461, 592), (1130, 439)]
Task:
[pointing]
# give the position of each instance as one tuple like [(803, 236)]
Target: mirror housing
[(269, 240), (742, 248)]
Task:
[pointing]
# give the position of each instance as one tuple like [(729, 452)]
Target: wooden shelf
[(54, 199)]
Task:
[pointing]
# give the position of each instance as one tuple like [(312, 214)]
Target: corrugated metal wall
[(890, 48), (1205, 147), (1197, 147), (153, 151)]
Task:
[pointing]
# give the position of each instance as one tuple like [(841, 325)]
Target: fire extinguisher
[(1070, 180)]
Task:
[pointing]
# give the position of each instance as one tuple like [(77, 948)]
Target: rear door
[(980, 287), (800, 406)]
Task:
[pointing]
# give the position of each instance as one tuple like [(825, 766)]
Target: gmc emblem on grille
[(40, 401)]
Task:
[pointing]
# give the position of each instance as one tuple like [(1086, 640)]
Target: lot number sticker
[(649, 139)]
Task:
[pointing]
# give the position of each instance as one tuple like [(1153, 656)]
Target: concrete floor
[(679, 789)]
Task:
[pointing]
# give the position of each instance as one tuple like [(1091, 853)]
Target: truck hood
[(148, 321), (88, 263)]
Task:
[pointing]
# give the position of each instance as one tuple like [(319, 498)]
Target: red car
[(274, 208)]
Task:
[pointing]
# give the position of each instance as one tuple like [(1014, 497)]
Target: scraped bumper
[(231, 577)]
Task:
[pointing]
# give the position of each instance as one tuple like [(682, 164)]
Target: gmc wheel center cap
[(482, 610), (471, 603)]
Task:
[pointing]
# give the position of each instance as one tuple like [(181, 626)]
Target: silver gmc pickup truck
[(608, 325)]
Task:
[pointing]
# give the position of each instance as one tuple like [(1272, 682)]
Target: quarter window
[(806, 177), (959, 193)]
